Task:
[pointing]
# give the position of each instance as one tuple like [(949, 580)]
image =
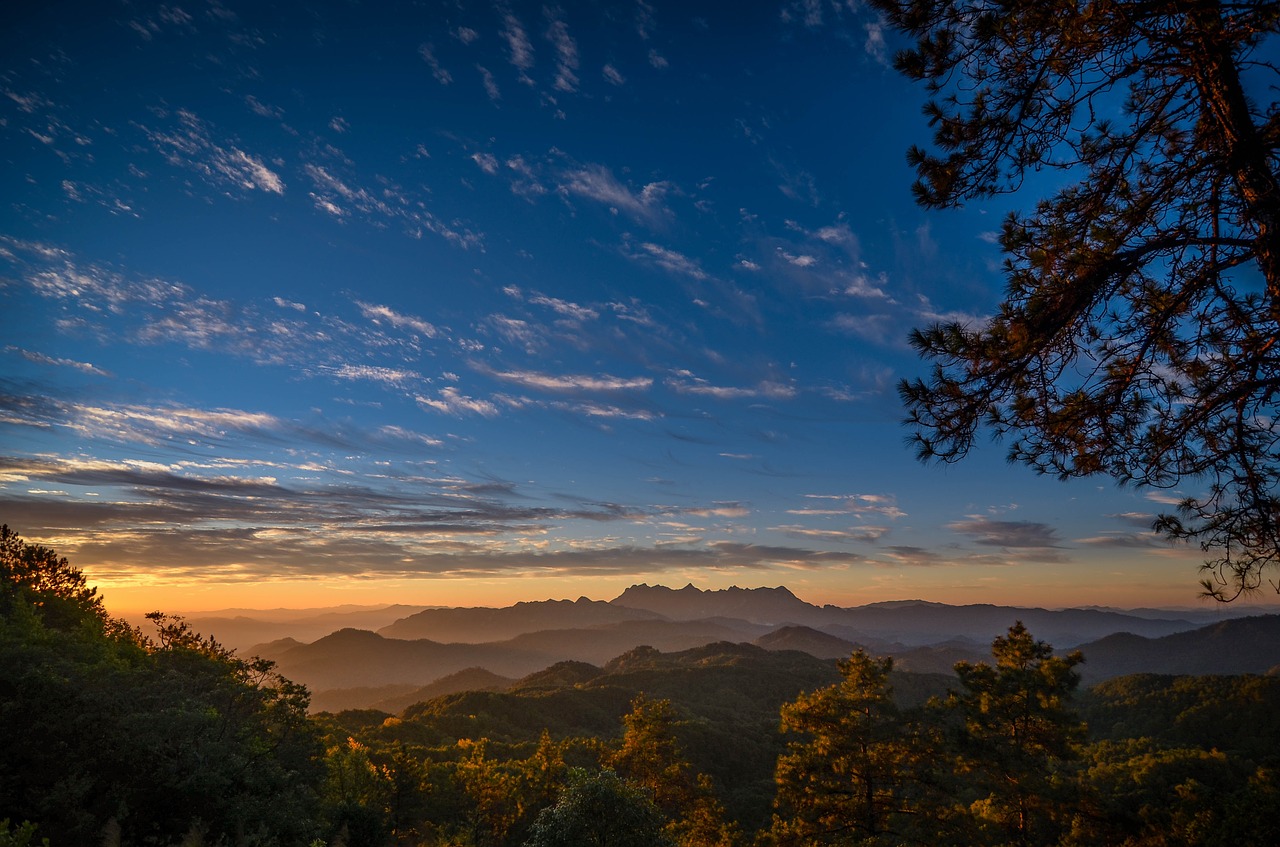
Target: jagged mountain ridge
[(908, 623)]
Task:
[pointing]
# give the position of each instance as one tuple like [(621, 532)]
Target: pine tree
[(1138, 334), (853, 778), (1017, 732)]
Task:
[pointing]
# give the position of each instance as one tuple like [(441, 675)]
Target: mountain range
[(422, 652)]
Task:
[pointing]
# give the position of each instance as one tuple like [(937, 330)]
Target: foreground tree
[(853, 778), (112, 735), (1015, 736), (650, 758), (1138, 335)]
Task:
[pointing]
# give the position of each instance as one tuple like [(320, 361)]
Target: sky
[(470, 303)]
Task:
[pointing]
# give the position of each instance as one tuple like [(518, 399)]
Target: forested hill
[(1243, 645)]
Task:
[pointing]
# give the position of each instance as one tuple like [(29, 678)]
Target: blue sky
[(469, 303)]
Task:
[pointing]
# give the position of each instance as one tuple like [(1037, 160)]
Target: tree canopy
[(1138, 334)]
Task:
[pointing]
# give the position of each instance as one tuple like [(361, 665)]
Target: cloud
[(289, 304), (596, 182), (261, 109), (612, 75), (854, 504), (686, 383), (1015, 534), (451, 402), (876, 328), (390, 376), (490, 84), (1130, 540), (519, 49), (135, 424), (427, 52), (570, 382), (802, 261), (670, 260), (565, 308), (860, 534), (566, 53), (338, 197), (517, 331), (486, 162), (192, 146), (913, 556), (875, 45), (42, 359)]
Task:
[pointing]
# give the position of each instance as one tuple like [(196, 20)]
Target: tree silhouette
[(1138, 334)]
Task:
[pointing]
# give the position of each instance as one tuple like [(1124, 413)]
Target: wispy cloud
[(374, 373), (490, 84), (338, 197), (859, 534), (452, 402), (566, 52), (670, 260), (573, 382), (191, 145), (519, 49), (684, 382), (596, 182), (885, 505), (442, 75), (42, 359), (486, 162)]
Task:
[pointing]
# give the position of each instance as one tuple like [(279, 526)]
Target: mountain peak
[(758, 605)]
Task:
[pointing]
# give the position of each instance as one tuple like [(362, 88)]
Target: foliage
[(1233, 714), (1137, 335), (1017, 730), (650, 757), (854, 777), (599, 810), (22, 836), (149, 739)]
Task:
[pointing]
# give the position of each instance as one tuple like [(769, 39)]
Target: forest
[(117, 737)]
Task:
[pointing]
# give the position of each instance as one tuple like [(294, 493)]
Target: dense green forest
[(112, 737)]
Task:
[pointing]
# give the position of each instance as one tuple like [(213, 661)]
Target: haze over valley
[(397, 655)]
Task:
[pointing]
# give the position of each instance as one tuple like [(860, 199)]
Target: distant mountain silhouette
[(482, 624), (514, 642), (350, 658), (246, 628), (920, 623), (1243, 645), (908, 622), (353, 658), (771, 606)]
